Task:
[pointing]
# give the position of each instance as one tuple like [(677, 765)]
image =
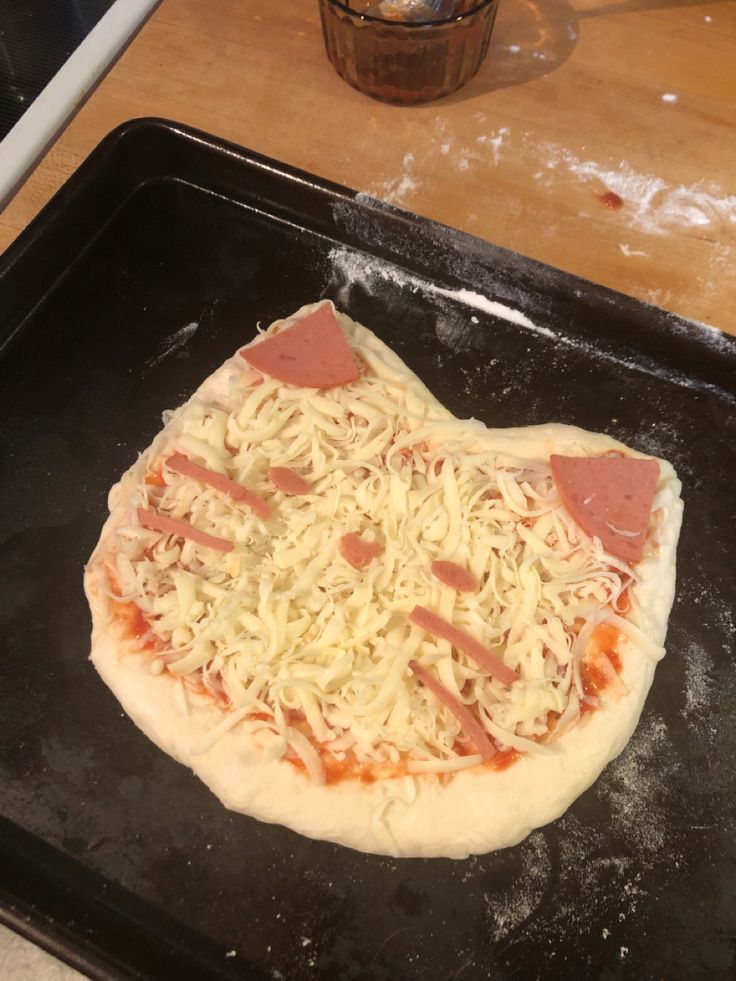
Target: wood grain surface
[(576, 99)]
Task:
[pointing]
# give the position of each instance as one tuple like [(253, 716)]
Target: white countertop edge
[(27, 140)]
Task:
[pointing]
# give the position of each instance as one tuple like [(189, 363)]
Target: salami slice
[(288, 480), (436, 625), (465, 717), (453, 575), (312, 353), (610, 498), (170, 526), (181, 464), (358, 552)]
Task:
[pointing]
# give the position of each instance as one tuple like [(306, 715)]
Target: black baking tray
[(150, 266)]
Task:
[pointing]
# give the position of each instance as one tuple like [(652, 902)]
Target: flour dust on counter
[(652, 205), (399, 189), (629, 252), (655, 205)]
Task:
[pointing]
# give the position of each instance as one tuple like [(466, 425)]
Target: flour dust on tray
[(354, 614), (351, 269)]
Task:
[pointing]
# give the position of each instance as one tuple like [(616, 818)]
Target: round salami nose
[(288, 480), (357, 551)]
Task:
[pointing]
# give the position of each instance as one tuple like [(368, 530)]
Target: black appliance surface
[(152, 264), (36, 38)]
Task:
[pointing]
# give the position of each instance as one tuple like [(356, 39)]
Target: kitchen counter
[(599, 138)]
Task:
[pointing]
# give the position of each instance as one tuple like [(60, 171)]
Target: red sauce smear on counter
[(610, 200)]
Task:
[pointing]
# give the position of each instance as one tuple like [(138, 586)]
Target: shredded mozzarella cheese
[(284, 626)]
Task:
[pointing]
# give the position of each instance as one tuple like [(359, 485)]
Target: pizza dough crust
[(478, 810)]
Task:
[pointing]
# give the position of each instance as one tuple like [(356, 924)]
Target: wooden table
[(635, 97)]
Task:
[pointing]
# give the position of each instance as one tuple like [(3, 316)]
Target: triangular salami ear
[(610, 498), (312, 353)]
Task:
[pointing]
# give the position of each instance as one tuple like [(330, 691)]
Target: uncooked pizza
[(353, 614)]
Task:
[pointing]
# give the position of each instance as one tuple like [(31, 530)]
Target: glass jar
[(406, 61)]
